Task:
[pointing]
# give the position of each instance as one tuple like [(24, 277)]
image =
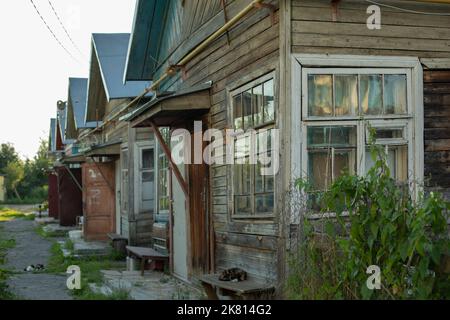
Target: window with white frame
[(253, 107), (146, 178), (163, 175), (339, 105)]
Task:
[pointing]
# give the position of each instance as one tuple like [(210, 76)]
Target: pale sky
[(35, 69)]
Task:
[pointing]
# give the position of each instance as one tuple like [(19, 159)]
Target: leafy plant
[(375, 221)]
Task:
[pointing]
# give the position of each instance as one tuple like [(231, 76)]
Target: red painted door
[(98, 200), (70, 205), (53, 208)]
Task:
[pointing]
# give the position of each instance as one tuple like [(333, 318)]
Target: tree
[(7, 155), (14, 175)]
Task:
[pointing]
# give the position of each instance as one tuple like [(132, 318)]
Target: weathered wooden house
[(110, 175), (314, 71), (53, 196)]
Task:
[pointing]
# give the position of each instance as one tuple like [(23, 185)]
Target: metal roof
[(111, 51), (78, 98), (145, 38), (62, 115), (52, 142)]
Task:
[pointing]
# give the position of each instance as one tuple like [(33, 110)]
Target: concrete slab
[(88, 248), (57, 230), (153, 285), (75, 234), (45, 220)]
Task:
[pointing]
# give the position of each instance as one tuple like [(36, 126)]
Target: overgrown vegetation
[(26, 180), (90, 267), (375, 223), (5, 245), (9, 214)]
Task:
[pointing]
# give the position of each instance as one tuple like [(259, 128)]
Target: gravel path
[(31, 249)]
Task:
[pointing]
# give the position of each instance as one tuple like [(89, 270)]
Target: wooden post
[(172, 165)]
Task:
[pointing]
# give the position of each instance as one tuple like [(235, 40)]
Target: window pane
[(344, 162), (371, 89), (147, 159), (395, 93), (323, 137), (382, 133), (258, 105), (238, 186), (247, 109), (397, 161), (259, 179), (238, 112), (268, 183), (346, 95), (319, 169), (147, 176), (242, 205), (269, 101), (320, 95), (264, 203)]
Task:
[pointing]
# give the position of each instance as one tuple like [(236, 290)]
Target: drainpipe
[(172, 70)]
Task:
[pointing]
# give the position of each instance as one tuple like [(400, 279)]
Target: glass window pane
[(258, 105), (264, 203), (238, 186), (268, 183), (383, 133), (397, 161), (242, 205), (148, 159), (324, 137), (247, 109), (395, 93), (344, 162), (319, 169), (371, 89), (269, 101), (320, 95), (346, 95), (246, 177), (238, 112), (259, 179)]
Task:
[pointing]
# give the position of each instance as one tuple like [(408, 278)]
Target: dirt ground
[(31, 249)]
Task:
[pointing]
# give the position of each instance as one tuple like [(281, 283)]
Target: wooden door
[(99, 200)]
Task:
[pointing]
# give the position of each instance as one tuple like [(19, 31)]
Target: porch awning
[(108, 149), (167, 109), (77, 158)]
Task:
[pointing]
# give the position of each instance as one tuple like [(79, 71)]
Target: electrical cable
[(407, 10)]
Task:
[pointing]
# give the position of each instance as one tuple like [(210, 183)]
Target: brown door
[(198, 215), (98, 200)]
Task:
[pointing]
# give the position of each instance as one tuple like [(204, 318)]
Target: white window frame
[(268, 125), (158, 155), (123, 190), (345, 64), (140, 146)]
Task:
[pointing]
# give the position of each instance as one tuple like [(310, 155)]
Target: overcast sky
[(35, 69)]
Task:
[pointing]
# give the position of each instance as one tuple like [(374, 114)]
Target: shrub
[(375, 222)]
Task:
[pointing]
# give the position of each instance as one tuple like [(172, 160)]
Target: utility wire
[(64, 28), (52, 33), (408, 10)]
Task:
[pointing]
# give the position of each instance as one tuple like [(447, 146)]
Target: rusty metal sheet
[(98, 200)]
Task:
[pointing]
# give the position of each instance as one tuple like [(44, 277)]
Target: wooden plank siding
[(252, 51), (437, 130), (402, 33)]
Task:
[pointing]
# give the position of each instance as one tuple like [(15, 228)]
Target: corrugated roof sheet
[(52, 142), (62, 115), (78, 99), (111, 51)]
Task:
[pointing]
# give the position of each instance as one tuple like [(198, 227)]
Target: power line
[(408, 10), (51, 31), (64, 28)]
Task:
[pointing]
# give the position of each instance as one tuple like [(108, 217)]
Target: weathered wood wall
[(402, 33), (252, 51), (437, 130)]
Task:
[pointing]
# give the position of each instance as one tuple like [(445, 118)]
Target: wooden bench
[(247, 289), (144, 254)]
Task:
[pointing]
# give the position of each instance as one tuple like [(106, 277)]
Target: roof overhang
[(78, 158), (109, 149), (168, 109)]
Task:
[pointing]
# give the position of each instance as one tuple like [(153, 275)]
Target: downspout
[(171, 71)]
